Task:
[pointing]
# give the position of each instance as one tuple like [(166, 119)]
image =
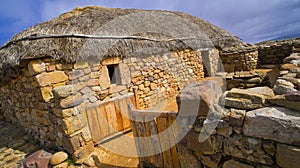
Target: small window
[(114, 73)]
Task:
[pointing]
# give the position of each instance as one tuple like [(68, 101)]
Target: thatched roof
[(97, 32)]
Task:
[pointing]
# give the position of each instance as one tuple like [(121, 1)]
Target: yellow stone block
[(81, 65), (36, 66), (104, 80), (72, 125), (46, 79), (47, 93), (112, 60)]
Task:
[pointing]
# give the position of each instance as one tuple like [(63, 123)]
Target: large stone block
[(36, 66), (104, 80), (46, 79), (252, 98), (294, 56), (293, 96), (282, 89), (191, 141), (288, 156), (64, 66), (111, 61), (200, 96), (64, 91), (235, 164), (247, 148), (40, 158), (274, 123), (75, 74), (72, 125), (58, 158), (281, 100), (124, 74), (81, 65), (71, 101), (187, 159), (47, 93), (241, 103), (287, 66)]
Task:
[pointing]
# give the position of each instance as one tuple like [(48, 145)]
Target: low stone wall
[(272, 53), (262, 55), (250, 132), (239, 59)]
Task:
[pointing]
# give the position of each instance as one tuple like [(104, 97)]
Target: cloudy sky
[(251, 20)]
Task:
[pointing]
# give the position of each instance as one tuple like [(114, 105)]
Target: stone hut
[(55, 76)]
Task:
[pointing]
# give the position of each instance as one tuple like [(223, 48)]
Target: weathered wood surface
[(108, 118), (159, 137)]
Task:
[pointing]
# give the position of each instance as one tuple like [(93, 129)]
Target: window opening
[(113, 73)]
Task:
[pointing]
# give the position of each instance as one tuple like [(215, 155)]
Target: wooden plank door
[(108, 118)]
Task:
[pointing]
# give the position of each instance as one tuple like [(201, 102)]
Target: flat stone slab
[(280, 100), (293, 96), (288, 156), (39, 158), (274, 123), (250, 99), (201, 97), (235, 164)]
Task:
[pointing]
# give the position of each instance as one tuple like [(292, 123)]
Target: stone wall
[(239, 59), (250, 131), (50, 99), (159, 77), (273, 53), (262, 55)]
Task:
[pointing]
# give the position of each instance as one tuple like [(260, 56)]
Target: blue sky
[(251, 20)]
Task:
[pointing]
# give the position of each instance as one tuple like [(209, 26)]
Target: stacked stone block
[(250, 132), (241, 59), (158, 77), (273, 52), (49, 101), (50, 98)]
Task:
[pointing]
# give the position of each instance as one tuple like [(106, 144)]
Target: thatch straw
[(97, 32)]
